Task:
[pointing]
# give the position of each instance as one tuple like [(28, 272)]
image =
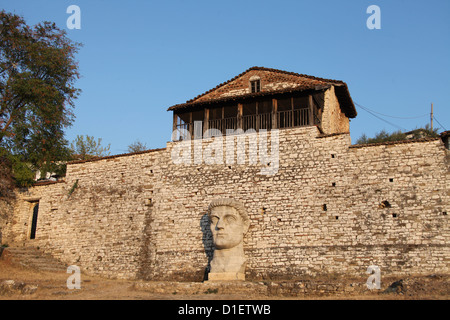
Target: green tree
[(85, 148), (14, 171), (381, 136), (384, 136), (37, 75), (137, 146), (6, 181)]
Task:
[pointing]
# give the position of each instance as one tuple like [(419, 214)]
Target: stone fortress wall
[(332, 207)]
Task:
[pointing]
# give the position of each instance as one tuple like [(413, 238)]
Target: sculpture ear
[(246, 226)]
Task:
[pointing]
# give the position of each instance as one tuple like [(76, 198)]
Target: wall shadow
[(208, 244), (147, 254)]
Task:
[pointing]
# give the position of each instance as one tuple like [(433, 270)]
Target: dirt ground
[(52, 286)]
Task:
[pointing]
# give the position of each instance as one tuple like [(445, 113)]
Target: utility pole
[(431, 117)]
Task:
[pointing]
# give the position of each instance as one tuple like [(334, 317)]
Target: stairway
[(34, 258)]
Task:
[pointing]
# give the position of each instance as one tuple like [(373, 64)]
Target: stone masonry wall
[(7, 196), (330, 208), (6, 210), (96, 218), (333, 119)]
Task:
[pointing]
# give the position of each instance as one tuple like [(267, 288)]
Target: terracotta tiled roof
[(273, 81)]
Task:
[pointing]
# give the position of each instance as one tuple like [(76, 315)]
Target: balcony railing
[(264, 121), (183, 132), (223, 124)]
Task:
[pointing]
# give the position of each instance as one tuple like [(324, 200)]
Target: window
[(215, 113), (255, 86), (230, 111), (264, 106), (285, 104), (249, 108)]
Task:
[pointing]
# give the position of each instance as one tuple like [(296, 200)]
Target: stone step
[(32, 257)]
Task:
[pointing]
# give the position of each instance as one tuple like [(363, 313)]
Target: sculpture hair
[(231, 203)]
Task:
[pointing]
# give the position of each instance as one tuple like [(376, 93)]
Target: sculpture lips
[(222, 234)]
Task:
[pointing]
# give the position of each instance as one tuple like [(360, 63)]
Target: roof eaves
[(344, 97), (246, 96)]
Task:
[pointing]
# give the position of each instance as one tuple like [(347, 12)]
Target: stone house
[(265, 99)]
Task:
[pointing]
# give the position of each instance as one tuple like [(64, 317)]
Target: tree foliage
[(85, 148), (137, 146), (37, 93), (14, 172), (6, 181), (384, 136)]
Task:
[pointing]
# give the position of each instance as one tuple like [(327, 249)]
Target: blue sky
[(141, 57)]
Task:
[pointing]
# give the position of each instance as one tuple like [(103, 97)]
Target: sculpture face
[(228, 223), (227, 227)]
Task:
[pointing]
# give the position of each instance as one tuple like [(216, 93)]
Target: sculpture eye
[(230, 219), (214, 220)]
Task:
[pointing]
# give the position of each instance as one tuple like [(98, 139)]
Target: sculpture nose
[(219, 225)]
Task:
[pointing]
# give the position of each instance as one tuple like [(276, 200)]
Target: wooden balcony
[(256, 122)]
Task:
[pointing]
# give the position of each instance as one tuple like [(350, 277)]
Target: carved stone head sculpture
[(229, 223)]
